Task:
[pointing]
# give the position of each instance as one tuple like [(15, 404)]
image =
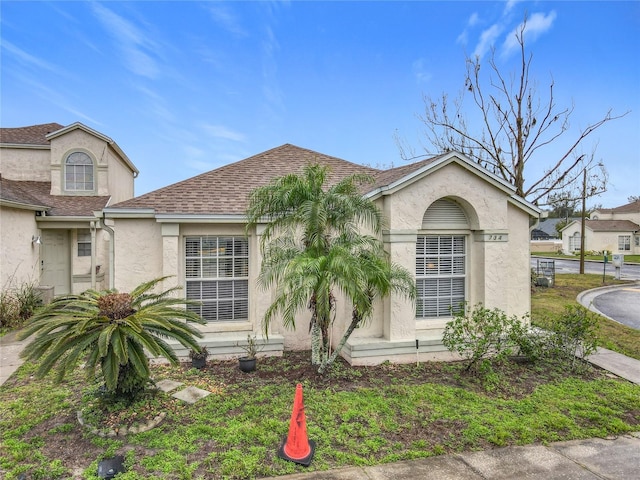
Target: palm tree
[(111, 330), (312, 244)]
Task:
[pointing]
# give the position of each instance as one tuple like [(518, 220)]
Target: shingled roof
[(225, 191), (37, 195), (612, 225), (633, 207), (31, 135)]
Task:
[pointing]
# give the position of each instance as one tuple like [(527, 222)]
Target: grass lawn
[(356, 415), (547, 302)]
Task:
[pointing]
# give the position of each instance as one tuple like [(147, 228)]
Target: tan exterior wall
[(120, 179), (111, 175), (138, 252), (540, 246), (74, 141), (25, 164), (19, 257)]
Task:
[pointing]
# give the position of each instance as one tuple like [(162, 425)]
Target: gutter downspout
[(112, 247), (92, 226)]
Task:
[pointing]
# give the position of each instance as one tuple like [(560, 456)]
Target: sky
[(186, 87)]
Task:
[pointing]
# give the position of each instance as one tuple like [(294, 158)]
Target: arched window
[(441, 261), (78, 172)]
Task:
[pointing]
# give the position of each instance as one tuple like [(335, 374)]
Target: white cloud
[(220, 131), (473, 19), (487, 39), (137, 48), (26, 58), (420, 71), (225, 18), (537, 24), (509, 6)]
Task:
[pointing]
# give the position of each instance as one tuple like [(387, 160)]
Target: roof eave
[(30, 146), (200, 218), (24, 206), (128, 212)]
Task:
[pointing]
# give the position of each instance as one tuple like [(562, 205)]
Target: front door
[(55, 261)]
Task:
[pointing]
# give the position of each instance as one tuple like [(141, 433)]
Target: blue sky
[(186, 87)]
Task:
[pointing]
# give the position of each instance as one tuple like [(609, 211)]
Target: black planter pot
[(198, 363), (247, 364)]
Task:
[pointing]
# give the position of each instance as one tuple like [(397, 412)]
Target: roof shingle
[(612, 225), (38, 194), (225, 191), (31, 135)]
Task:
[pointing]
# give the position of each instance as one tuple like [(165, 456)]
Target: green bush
[(574, 334), (18, 304), (485, 336)]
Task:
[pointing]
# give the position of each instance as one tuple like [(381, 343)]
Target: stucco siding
[(120, 179), (19, 256), (25, 164), (518, 277), (138, 252), (73, 141)]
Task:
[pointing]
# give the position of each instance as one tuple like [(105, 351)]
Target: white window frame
[(441, 275), (83, 242), (217, 275), (624, 243), (79, 177)]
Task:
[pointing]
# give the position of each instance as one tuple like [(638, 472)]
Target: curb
[(586, 298)]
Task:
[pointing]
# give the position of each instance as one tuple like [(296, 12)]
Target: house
[(52, 181), (614, 230), (462, 231), (545, 237)]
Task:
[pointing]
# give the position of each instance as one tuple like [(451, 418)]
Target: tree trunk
[(355, 320)]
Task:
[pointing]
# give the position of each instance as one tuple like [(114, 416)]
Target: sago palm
[(111, 331)]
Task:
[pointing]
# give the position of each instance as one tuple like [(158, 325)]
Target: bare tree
[(516, 124)]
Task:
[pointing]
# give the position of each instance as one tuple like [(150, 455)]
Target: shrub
[(574, 334), (17, 304), (481, 334)]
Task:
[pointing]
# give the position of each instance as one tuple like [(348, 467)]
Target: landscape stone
[(191, 394)]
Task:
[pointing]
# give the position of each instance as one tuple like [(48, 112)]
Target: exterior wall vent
[(444, 214)]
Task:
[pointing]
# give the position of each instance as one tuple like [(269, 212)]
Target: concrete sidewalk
[(10, 360), (592, 459)]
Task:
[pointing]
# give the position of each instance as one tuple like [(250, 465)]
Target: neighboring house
[(53, 180), (616, 230), (462, 230), (546, 229)]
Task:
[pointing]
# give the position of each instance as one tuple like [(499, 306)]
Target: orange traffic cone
[(296, 447)]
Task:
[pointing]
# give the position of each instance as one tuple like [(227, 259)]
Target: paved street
[(627, 272)]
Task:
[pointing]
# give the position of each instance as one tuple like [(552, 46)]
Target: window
[(624, 243), (637, 240), (217, 274), (78, 172), (84, 243), (440, 275)]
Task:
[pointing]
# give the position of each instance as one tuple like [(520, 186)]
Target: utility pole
[(584, 215)]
